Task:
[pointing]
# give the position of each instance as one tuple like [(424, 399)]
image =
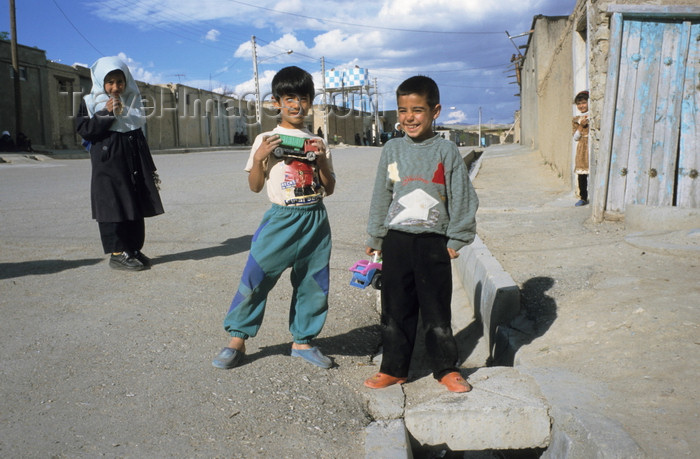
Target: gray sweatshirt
[(423, 187)]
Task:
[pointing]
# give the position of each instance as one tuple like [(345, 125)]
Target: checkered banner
[(351, 78), (334, 79), (355, 77)]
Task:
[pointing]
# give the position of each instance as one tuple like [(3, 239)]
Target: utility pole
[(376, 113), (325, 101), (258, 118), (15, 68), (479, 141)]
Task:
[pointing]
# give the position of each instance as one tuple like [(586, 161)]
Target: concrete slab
[(684, 243), (385, 404), (387, 440), (505, 410), (660, 219), (579, 430)]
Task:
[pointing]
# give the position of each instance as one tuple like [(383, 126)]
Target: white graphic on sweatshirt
[(417, 205), (393, 170)]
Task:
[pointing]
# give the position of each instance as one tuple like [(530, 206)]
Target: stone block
[(387, 440), (505, 410), (385, 403)]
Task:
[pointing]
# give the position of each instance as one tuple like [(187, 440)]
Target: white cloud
[(274, 51), (247, 88), (212, 35), (455, 117), (461, 44), (138, 72)]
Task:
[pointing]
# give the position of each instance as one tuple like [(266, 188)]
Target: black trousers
[(583, 186), (416, 279), (127, 236)]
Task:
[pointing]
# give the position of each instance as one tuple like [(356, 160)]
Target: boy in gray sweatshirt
[(422, 212)]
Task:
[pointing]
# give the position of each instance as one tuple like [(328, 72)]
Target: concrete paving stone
[(579, 430), (505, 410), (387, 440), (385, 404)]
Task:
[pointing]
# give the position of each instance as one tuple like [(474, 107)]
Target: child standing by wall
[(294, 233), (581, 127), (123, 189), (422, 212)]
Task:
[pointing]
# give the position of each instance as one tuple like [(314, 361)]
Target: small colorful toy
[(366, 272), (296, 147)]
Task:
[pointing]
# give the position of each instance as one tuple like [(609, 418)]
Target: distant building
[(468, 134), (37, 121), (179, 116)]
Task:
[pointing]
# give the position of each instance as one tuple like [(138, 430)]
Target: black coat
[(122, 186)]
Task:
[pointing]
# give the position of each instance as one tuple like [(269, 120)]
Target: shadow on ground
[(358, 342), (41, 267), (228, 247), (538, 311)]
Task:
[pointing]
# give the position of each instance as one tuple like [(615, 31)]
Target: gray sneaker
[(313, 356), (228, 358)]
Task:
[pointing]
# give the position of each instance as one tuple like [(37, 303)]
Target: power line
[(194, 34), (76, 29), (330, 21), (183, 21)]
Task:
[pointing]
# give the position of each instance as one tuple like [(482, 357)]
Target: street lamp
[(258, 117)]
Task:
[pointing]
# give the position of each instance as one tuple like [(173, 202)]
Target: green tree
[(5, 36)]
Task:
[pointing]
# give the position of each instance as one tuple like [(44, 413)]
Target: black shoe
[(125, 261), (140, 256)]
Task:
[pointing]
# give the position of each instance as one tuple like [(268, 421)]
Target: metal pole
[(258, 118), (15, 67), (376, 113), (325, 100), (479, 141), (362, 116)]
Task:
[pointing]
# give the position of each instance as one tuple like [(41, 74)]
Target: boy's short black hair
[(422, 85), (292, 80), (583, 95)]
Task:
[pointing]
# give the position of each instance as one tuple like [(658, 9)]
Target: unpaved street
[(98, 362)]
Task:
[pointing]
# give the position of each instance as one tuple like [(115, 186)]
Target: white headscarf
[(133, 116)]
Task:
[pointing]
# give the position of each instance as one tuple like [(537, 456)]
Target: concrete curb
[(494, 295)]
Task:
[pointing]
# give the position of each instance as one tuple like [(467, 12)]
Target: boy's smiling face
[(582, 105), (293, 109), (416, 116)]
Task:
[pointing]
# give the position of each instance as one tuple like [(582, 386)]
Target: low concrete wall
[(495, 296)]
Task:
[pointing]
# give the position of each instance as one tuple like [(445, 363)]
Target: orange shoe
[(455, 382), (382, 380)]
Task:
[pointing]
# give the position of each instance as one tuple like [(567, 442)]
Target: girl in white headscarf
[(124, 187)]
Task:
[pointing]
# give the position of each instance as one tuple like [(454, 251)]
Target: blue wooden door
[(688, 182), (654, 148)]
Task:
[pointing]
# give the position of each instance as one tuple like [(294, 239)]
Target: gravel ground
[(98, 362)]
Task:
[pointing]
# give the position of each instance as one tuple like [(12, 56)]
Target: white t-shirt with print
[(290, 182)]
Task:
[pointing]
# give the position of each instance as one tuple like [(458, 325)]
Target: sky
[(207, 44)]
